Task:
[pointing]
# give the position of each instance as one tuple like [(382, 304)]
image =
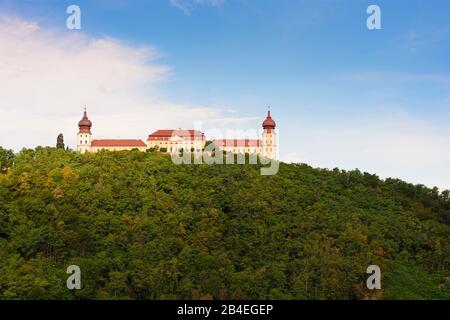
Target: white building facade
[(266, 147), (176, 140), (172, 141)]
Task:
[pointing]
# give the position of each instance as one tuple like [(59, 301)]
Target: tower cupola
[(269, 140), (269, 123), (84, 136), (85, 124)]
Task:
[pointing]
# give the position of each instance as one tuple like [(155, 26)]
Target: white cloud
[(47, 76), (391, 144), (293, 157)]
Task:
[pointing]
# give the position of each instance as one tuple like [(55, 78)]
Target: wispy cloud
[(391, 144), (187, 6), (47, 76)]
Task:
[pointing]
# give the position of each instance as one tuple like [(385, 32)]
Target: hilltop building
[(85, 143), (174, 140), (266, 147)]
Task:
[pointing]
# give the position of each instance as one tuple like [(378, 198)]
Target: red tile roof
[(238, 143), (269, 123), (118, 143), (186, 134)]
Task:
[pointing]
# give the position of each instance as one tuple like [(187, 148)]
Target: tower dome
[(85, 124), (269, 123)]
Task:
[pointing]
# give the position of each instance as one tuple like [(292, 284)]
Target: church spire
[(269, 123), (85, 124)]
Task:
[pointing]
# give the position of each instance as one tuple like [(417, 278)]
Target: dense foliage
[(141, 227), (6, 159)]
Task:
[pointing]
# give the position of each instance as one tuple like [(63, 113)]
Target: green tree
[(141, 227), (60, 141), (6, 159)]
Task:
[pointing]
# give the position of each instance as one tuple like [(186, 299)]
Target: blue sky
[(332, 83)]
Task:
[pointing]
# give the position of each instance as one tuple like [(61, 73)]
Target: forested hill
[(141, 227)]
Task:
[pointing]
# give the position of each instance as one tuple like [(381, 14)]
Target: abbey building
[(171, 141)]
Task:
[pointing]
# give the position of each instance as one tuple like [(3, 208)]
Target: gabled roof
[(118, 143), (238, 143), (186, 134)]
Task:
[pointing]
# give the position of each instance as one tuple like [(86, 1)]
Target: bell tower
[(269, 137), (84, 136)]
